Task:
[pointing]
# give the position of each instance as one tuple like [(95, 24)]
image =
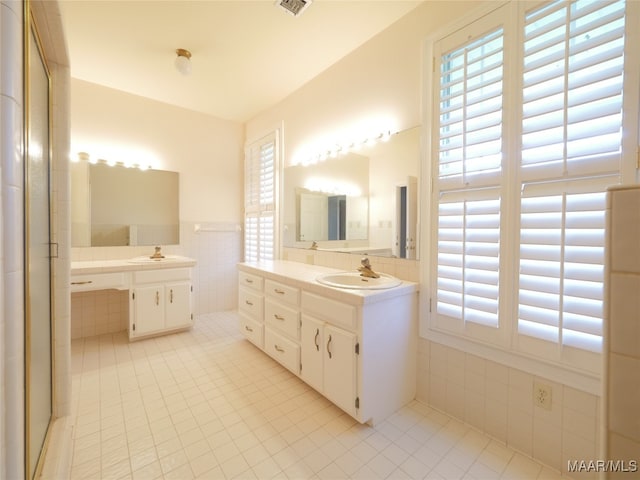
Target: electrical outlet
[(542, 395)]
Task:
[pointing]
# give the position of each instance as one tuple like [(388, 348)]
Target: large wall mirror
[(365, 202), (115, 205)]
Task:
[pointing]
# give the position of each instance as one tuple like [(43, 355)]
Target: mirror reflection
[(115, 205), (362, 202)]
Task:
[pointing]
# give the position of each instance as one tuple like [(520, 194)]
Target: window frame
[(260, 209), (504, 346)]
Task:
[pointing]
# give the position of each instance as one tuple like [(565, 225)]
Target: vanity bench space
[(160, 292), (357, 347)]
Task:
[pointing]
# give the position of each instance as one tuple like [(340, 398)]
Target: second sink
[(357, 281)]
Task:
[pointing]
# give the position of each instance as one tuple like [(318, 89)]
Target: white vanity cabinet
[(329, 362), (160, 301), (250, 307), (356, 347), (282, 324)]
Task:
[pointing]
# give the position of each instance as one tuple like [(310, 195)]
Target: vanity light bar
[(85, 157), (343, 149)]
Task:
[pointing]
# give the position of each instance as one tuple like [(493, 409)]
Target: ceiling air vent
[(294, 7)]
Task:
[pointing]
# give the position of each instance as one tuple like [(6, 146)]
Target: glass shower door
[(38, 341)]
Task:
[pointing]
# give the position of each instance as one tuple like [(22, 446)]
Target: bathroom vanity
[(160, 291), (356, 346)]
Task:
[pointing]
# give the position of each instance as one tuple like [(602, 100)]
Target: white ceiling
[(247, 55)]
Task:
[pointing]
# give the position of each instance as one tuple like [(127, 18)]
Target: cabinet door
[(340, 367), (312, 351), (177, 305), (148, 309)]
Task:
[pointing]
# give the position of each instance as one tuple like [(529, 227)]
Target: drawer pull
[(329, 346), (85, 282), (157, 297), (279, 349), (278, 317), (249, 303), (248, 280), (278, 291), (248, 329), (171, 296), (315, 340)]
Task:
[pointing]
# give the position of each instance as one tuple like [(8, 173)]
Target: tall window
[(529, 137), (261, 160)]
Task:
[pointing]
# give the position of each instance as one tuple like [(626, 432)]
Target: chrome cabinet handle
[(328, 345), (157, 297), (171, 296), (82, 283), (315, 340), (249, 303), (281, 350), (278, 291), (278, 317), (248, 329), (248, 280)]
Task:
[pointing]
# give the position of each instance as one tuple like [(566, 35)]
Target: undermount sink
[(148, 259), (356, 281)]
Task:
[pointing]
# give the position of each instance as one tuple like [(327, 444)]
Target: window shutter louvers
[(546, 193), (260, 199)]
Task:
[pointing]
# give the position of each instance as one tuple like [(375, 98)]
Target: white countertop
[(304, 276), (129, 265)]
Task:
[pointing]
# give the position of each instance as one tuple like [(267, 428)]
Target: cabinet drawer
[(283, 350), (250, 281), (252, 330), (285, 319), (331, 311), (284, 293), (250, 302), (161, 275), (99, 281)]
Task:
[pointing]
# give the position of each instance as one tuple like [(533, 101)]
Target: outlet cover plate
[(542, 395)]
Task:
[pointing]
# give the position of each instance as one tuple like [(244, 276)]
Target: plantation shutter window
[(467, 181), (260, 199), (572, 89), (528, 138), (571, 129)]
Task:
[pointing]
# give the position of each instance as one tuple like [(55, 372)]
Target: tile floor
[(208, 404)]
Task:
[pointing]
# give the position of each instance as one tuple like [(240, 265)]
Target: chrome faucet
[(366, 270), (314, 245)]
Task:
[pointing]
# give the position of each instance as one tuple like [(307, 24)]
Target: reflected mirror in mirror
[(365, 202), (115, 205), (331, 199)]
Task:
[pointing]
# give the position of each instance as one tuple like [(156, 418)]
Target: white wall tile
[(624, 312), (625, 230), (624, 396), (499, 400), (547, 443)]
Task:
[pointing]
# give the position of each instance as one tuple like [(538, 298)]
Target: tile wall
[(11, 242), (498, 400), (622, 360)]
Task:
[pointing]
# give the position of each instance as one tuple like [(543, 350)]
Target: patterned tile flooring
[(207, 404)]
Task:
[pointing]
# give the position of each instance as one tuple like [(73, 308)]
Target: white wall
[(208, 154), (379, 83), (206, 151)]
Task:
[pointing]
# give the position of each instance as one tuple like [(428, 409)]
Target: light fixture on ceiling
[(294, 7), (183, 61)]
